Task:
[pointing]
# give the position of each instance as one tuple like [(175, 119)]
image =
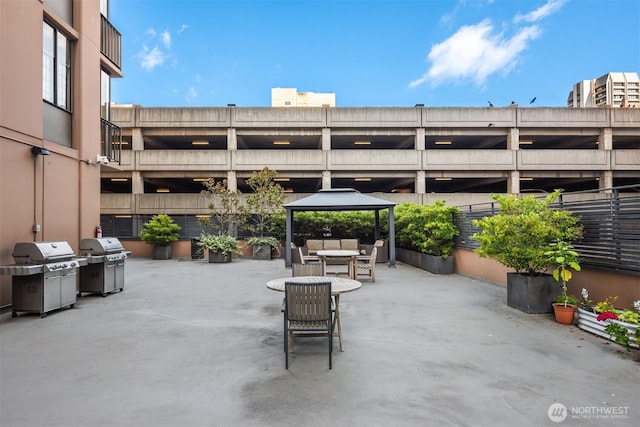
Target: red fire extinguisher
[(99, 231)]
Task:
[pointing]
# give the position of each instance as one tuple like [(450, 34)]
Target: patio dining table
[(339, 285), (348, 255)]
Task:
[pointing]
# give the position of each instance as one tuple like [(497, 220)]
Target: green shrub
[(160, 230), (428, 229)]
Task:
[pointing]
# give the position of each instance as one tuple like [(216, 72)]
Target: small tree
[(226, 211), (263, 206), (524, 230)]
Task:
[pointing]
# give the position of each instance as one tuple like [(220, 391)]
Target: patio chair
[(304, 259), (313, 269), (308, 311), (366, 265)]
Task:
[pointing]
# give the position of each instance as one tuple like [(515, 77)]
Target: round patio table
[(339, 285)]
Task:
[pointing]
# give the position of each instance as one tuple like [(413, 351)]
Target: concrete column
[(326, 140), (513, 183), (326, 180), (232, 139), (606, 180), (606, 139), (513, 139), (420, 144), (421, 184), (137, 141), (232, 180), (137, 183)]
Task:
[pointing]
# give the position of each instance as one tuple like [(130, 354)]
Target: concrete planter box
[(437, 264), (262, 252), (162, 252), (218, 258), (431, 263), (587, 321), (532, 294)]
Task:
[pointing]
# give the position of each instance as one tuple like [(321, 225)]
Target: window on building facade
[(56, 67), (105, 95), (104, 8)]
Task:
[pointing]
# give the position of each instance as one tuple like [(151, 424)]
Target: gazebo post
[(289, 233), (392, 239)]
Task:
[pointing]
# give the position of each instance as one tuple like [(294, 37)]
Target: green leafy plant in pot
[(159, 232), (518, 237), (565, 258), (221, 247)]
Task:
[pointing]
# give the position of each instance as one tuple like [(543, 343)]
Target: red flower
[(606, 316)]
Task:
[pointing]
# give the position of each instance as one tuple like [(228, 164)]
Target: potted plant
[(429, 231), (263, 206), (159, 232), (565, 258), (518, 237), (221, 247)]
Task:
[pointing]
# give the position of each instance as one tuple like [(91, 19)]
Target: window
[(104, 8), (105, 95), (56, 67)]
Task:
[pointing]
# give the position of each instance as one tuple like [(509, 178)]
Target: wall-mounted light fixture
[(39, 151), (362, 143), (442, 143), (199, 142), (281, 142), (362, 179)]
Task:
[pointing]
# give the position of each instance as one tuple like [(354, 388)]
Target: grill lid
[(25, 253), (100, 246)]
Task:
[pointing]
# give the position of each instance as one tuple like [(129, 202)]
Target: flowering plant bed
[(603, 319)]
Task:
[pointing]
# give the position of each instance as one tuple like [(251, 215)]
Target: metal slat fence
[(611, 222)]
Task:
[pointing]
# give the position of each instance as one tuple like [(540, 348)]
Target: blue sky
[(374, 53)]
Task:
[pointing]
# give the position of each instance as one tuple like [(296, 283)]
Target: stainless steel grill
[(104, 271), (43, 277)]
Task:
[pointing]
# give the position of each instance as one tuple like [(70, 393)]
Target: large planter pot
[(564, 314), (262, 252), (162, 252), (532, 294), (587, 321), (437, 264), (217, 257)]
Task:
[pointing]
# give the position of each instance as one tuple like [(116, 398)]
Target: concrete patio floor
[(195, 344)]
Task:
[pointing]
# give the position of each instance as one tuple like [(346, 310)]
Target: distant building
[(610, 90), (290, 97)]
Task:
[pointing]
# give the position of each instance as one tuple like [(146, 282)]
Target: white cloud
[(475, 52), (150, 58), (182, 28), (549, 8), (192, 94), (165, 36), (151, 32)]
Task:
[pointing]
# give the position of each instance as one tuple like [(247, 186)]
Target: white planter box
[(587, 321)]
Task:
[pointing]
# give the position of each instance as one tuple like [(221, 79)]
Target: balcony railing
[(110, 140), (110, 42)]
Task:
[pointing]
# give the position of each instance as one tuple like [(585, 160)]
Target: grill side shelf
[(21, 270)]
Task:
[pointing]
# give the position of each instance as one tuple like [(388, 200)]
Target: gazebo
[(342, 199)]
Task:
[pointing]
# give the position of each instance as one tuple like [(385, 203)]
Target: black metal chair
[(308, 311)]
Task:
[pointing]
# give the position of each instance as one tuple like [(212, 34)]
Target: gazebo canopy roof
[(339, 199)]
